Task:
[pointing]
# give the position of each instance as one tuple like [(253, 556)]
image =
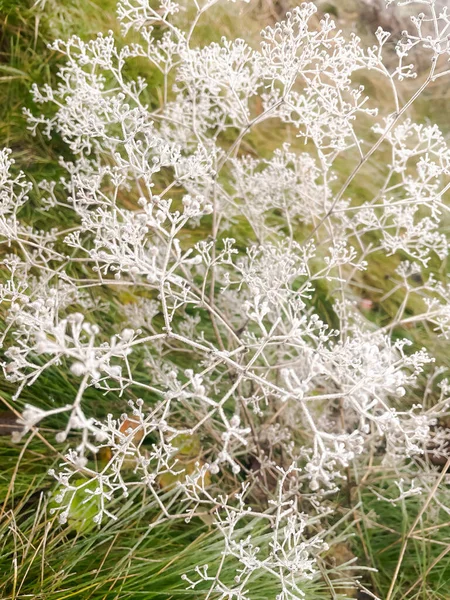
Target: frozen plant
[(232, 375)]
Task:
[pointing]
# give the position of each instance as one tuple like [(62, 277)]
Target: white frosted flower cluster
[(187, 282)]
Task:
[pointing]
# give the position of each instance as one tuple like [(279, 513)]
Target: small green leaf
[(83, 505)]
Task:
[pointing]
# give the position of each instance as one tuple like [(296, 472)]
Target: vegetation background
[(408, 542)]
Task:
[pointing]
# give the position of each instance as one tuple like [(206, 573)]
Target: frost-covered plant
[(220, 345)]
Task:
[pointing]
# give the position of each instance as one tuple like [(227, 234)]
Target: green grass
[(127, 558), (424, 569)]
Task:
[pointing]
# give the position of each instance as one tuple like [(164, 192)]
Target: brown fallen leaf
[(182, 468), (188, 461), (9, 423), (104, 455), (339, 555), (128, 426)]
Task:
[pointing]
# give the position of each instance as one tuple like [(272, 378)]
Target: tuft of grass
[(407, 542), (133, 557)]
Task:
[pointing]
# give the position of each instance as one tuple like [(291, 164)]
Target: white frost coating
[(267, 376)]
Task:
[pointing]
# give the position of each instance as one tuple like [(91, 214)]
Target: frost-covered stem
[(375, 147)]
